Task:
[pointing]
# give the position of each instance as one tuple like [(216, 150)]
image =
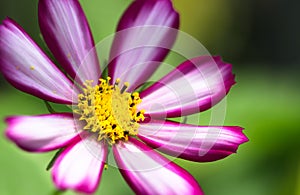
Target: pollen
[(109, 110)]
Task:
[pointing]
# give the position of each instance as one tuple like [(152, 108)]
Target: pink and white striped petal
[(191, 142), (78, 168), (28, 69), (195, 85), (66, 31), (41, 133), (146, 32), (148, 172)]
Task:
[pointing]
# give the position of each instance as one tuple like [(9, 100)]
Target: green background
[(260, 39)]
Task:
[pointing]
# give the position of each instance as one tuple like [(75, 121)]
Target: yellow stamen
[(109, 111)]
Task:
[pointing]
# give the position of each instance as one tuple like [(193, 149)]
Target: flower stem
[(49, 107), (49, 166)]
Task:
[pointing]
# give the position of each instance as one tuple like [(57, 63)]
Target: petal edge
[(77, 168), (194, 86), (27, 68), (147, 172), (67, 33), (41, 133), (191, 142)]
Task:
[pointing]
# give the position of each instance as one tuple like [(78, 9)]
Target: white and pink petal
[(147, 172), (28, 69), (145, 34), (67, 33), (43, 132), (191, 142), (79, 167), (194, 86)]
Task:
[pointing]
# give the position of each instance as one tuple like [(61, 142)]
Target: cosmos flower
[(108, 113)]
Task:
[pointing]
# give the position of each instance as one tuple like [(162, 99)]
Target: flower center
[(109, 110)]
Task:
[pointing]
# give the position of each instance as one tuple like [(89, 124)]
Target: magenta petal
[(27, 68), (41, 133), (190, 142), (147, 30), (79, 168), (194, 86), (68, 36), (148, 172)]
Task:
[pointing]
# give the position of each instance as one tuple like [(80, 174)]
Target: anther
[(117, 82), (126, 84)]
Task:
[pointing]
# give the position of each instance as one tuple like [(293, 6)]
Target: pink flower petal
[(41, 133), (67, 34), (79, 168), (194, 86), (190, 142), (28, 69), (147, 30), (147, 172)]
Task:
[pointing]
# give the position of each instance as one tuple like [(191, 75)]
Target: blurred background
[(259, 37)]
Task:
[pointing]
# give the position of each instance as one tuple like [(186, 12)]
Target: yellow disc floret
[(109, 110)]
